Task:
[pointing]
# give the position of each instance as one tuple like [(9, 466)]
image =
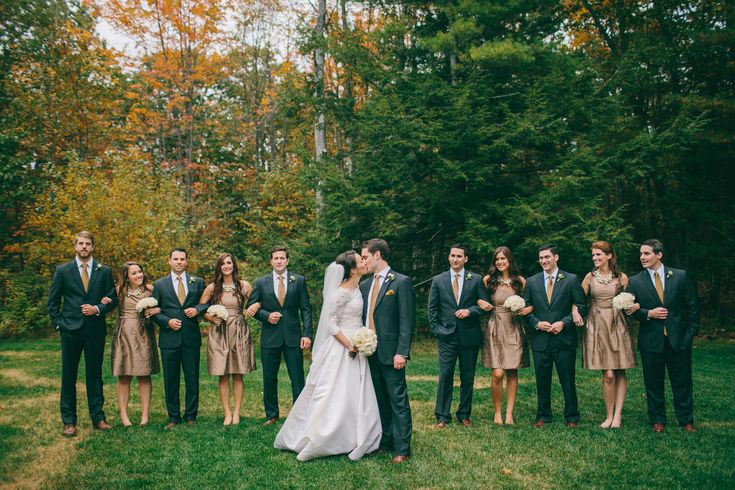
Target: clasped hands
[(554, 328), (659, 313), (175, 324)]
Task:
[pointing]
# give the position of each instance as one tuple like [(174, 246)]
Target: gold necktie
[(550, 288), (180, 291), (281, 291), (85, 277), (659, 291), (373, 299), (455, 288)]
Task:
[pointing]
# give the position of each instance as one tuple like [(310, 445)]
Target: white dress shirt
[(377, 276), (176, 285), (660, 271), (89, 267), (285, 282), (460, 281)]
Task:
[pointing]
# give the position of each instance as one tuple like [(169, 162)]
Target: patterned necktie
[(85, 277), (455, 287), (281, 291), (180, 291), (549, 288), (659, 291), (373, 299)]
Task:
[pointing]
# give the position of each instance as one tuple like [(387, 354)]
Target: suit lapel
[(169, 284), (383, 288), (76, 276), (648, 285), (93, 275), (557, 286), (448, 287), (289, 286), (465, 287)]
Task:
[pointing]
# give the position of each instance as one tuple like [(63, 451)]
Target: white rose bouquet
[(146, 303), (623, 301), (365, 341), (219, 311), (514, 303)]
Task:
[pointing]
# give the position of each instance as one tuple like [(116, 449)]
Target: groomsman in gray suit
[(666, 306), (389, 308), (454, 319), (553, 335), (77, 312)]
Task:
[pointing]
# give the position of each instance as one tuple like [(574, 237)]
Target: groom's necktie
[(85, 277), (550, 288), (281, 291), (180, 291), (373, 298), (455, 287), (660, 291)]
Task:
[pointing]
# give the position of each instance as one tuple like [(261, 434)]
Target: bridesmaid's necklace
[(134, 292), (228, 288), (505, 282), (602, 279)]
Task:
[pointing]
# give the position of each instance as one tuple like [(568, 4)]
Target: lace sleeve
[(341, 299)]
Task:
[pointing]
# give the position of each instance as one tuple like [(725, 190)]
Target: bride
[(337, 412)]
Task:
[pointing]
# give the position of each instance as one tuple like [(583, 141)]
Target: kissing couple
[(353, 404)]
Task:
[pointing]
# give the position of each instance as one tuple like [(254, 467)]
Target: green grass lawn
[(33, 453)]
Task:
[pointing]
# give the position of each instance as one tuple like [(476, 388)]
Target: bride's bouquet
[(514, 303), (623, 301), (218, 311), (146, 303), (365, 341)]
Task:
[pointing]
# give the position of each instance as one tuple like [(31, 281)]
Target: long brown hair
[(494, 275), (219, 279), (607, 249), (125, 280)]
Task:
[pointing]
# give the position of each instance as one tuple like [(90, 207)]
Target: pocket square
[(390, 292)]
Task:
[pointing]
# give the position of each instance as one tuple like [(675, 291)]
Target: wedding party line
[(355, 398)]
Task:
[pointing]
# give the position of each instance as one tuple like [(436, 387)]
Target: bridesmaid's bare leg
[(145, 389), (123, 396), (511, 390), (497, 389), (224, 397), (608, 394), (237, 390), (621, 389)]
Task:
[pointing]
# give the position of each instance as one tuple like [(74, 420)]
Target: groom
[(178, 296), (282, 296), (389, 308)]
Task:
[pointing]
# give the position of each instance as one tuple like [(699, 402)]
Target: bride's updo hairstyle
[(348, 260)]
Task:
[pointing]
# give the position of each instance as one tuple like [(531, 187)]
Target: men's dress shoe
[(441, 424), (466, 422), (399, 458), (572, 425), (539, 423), (271, 421), (170, 425), (658, 427), (688, 428), (102, 425), (70, 430)]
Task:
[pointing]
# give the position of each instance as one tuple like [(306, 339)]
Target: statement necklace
[(505, 282), (228, 288), (134, 292), (602, 279)]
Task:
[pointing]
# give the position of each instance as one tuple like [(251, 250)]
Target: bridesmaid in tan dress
[(230, 351), (506, 347), (134, 351), (607, 343)]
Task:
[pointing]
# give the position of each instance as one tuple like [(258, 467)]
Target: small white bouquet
[(514, 303), (623, 301), (219, 311), (146, 303), (365, 341)]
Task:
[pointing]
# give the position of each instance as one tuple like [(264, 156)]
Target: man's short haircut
[(551, 247), (84, 234), (461, 247), (178, 249), (377, 245), (279, 248), (656, 244)]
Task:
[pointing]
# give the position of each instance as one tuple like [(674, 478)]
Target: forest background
[(236, 125)]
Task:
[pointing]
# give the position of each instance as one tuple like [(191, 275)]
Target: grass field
[(33, 453)]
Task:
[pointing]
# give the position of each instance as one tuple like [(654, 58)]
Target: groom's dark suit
[(395, 320), (283, 338), (180, 348), (555, 349), (456, 338), (80, 333), (672, 351)]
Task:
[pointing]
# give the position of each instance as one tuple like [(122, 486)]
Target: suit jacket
[(394, 315), (288, 330), (189, 334), (442, 306), (567, 291), (67, 284), (680, 299)]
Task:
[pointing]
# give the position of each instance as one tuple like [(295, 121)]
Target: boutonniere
[(291, 279), (469, 276), (390, 292), (560, 276), (669, 273), (99, 266), (192, 280), (390, 277)]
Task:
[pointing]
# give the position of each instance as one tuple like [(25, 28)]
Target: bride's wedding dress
[(337, 412)]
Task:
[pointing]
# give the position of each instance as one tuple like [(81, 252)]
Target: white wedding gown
[(337, 412)]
